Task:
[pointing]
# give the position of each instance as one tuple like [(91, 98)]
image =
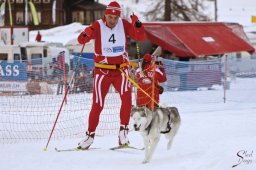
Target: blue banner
[(13, 71)]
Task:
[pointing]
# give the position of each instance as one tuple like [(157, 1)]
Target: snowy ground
[(213, 136)]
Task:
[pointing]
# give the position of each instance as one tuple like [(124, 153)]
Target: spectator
[(61, 67), (38, 37), (148, 77)]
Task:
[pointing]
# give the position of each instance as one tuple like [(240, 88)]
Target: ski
[(125, 147), (73, 149)]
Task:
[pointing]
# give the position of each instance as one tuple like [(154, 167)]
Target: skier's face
[(111, 20)]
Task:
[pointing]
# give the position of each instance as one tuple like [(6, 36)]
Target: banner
[(34, 13), (13, 71), (10, 86), (254, 19)]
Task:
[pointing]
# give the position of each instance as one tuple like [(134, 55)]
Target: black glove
[(135, 21), (160, 89)]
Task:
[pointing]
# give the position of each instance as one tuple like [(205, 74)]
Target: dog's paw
[(145, 161)]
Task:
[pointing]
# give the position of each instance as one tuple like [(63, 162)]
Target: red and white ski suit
[(110, 48), (146, 78)]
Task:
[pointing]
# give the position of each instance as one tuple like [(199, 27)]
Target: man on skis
[(110, 35)]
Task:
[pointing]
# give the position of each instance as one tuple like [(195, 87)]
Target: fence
[(30, 100)]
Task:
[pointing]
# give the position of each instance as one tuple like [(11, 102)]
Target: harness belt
[(169, 127), (115, 66)]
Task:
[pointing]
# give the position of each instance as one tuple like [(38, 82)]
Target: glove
[(160, 89), (87, 32), (135, 21)]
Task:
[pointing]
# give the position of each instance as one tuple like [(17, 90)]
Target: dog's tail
[(175, 116)]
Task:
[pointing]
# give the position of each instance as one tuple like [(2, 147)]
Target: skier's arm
[(135, 29), (88, 34), (161, 75)]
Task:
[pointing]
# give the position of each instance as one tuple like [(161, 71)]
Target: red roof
[(196, 39)]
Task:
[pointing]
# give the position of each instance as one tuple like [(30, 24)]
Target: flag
[(254, 19), (2, 12), (54, 12), (10, 12), (2, 9), (26, 12), (34, 13)]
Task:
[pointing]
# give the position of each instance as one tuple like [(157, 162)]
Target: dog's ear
[(147, 111)]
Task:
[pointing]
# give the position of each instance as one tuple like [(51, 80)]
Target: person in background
[(61, 67), (148, 78), (29, 69), (38, 37), (110, 34)]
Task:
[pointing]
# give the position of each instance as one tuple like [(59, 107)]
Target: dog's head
[(141, 117)]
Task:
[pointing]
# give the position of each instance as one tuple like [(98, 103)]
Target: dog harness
[(168, 126)]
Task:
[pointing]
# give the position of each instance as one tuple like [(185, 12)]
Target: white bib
[(112, 40)]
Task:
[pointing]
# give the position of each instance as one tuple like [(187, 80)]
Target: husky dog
[(151, 124)]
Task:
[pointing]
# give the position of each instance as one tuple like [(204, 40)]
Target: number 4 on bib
[(112, 39)]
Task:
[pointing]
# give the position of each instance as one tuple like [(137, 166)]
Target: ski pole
[(64, 98)]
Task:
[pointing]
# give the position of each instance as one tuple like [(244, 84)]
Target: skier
[(148, 77), (110, 34)]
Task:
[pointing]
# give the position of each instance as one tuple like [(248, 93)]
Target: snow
[(61, 34), (238, 11), (211, 134)]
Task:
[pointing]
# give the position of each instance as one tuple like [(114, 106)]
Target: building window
[(88, 17), (39, 17), (19, 18), (98, 15), (17, 57), (78, 16), (46, 1), (30, 19), (238, 56), (36, 59), (19, 1), (47, 17), (3, 56), (37, 1)]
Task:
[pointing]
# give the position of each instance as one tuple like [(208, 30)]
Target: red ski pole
[(64, 99)]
